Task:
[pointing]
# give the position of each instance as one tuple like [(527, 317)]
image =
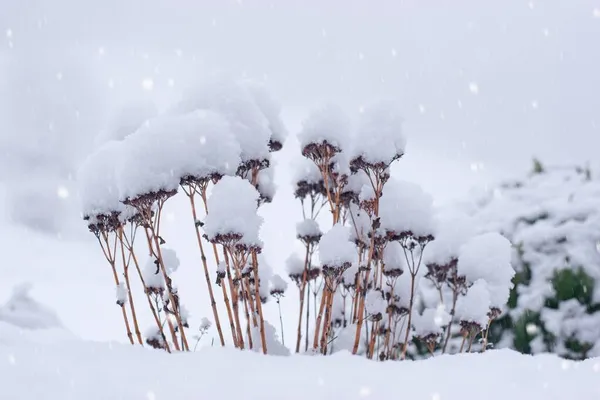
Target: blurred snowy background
[(484, 86)]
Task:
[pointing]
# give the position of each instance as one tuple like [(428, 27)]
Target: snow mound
[(23, 311), (90, 370), (404, 207)]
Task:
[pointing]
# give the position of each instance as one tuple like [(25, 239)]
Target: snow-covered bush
[(214, 145), (380, 260), (553, 219)]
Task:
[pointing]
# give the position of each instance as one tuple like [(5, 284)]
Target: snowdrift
[(45, 365)]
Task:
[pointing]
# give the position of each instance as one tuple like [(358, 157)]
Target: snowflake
[(62, 192), (473, 88), (147, 84)]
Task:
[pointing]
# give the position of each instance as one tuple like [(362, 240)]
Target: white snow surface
[(294, 265), (335, 248), (405, 207), (327, 123), (380, 133), (232, 209), (171, 147), (23, 311), (234, 101), (70, 368)]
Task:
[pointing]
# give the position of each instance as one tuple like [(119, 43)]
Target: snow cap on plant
[(271, 109), (488, 257), (336, 251), (154, 338), (278, 286), (127, 120), (153, 277), (294, 266), (230, 98), (307, 179), (266, 185), (309, 232), (429, 326), (394, 260), (349, 277), (232, 219), (325, 132), (441, 256), (98, 189), (472, 309), (406, 211), (380, 127)]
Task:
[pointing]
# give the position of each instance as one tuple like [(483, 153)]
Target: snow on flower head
[(336, 251), (168, 149), (406, 210), (266, 184), (474, 306), (232, 217), (235, 103), (431, 322), (380, 134), (278, 285), (326, 130), (394, 260), (271, 109), (452, 232), (294, 267), (487, 256), (98, 189), (307, 179), (127, 120), (308, 231)]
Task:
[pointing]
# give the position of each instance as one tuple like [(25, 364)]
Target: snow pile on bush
[(553, 219)]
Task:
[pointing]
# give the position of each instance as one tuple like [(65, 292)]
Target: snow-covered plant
[(552, 217)]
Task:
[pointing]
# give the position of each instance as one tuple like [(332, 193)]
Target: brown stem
[(111, 260), (152, 308), (452, 312), (234, 300), (259, 302), (324, 299), (410, 310), (485, 337), (213, 303), (127, 283), (302, 293)]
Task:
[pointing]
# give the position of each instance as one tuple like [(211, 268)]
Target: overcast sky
[(484, 85)]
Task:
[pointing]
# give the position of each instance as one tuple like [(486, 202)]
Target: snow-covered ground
[(53, 365)]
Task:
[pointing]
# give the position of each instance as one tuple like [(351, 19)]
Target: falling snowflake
[(394, 53), (9, 33), (421, 108), (111, 83), (596, 13), (62, 192), (546, 32), (323, 32), (12, 360), (179, 52), (361, 109), (534, 104), (476, 166), (459, 104), (473, 88), (436, 396), (531, 5), (101, 51), (598, 246), (147, 84), (361, 56), (531, 329), (59, 76), (171, 82), (364, 392), (150, 395)]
